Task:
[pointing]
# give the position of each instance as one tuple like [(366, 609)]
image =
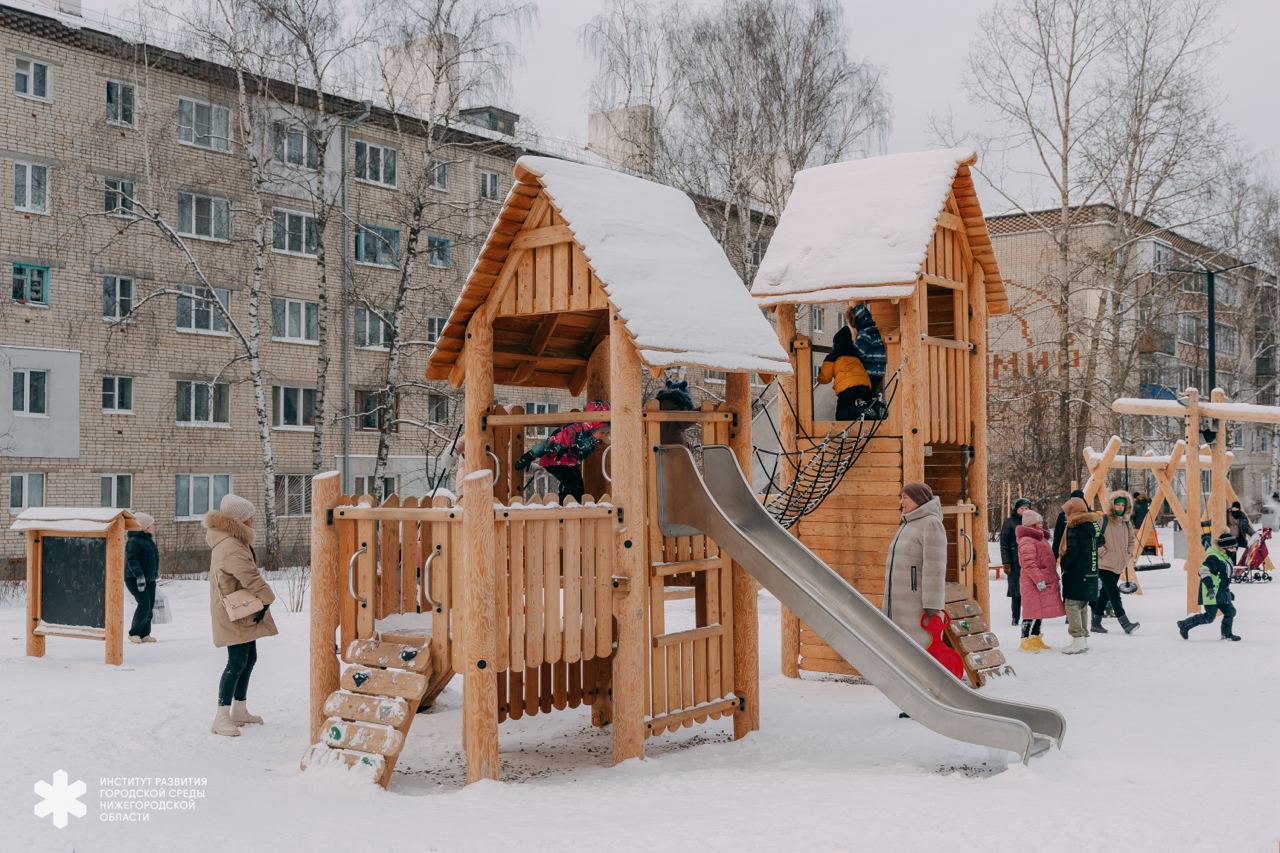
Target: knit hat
[(1020, 502), (1031, 518), (1075, 506), (920, 493), (1077, 493), (237, 507), (676, 396), (144, 519), (1226, 540)]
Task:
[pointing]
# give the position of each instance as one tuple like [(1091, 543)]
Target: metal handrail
[(351, 575), (973, 552), (424, 582), (497, 465), (604, 456)]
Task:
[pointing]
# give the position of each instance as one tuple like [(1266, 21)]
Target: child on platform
[(1038, 579), (562, 454), (855, 366), (1215, 578)]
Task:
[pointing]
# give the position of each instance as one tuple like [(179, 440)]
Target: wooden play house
[(905, 235), (587, 278)]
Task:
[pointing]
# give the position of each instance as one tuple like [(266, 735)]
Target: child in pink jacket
[(1041, 594)]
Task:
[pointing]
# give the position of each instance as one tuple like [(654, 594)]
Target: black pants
[(852, 402), (1210, 613), (1015, 604), (234, 683), (570, 477), (1030, 628), (1110, 593), (146, 598)]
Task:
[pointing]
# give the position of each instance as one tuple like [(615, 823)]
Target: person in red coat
[(1038, 581)]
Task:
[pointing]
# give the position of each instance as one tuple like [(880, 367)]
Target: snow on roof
[(859, 224), (70, 519), (676, 291)]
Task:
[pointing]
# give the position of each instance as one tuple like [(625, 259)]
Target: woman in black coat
[(1009, 555), (141, 574)]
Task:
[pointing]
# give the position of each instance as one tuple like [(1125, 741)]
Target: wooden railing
[(948, 417)]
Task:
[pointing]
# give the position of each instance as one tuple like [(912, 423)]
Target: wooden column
[(35, 642), (479, 610), (627, 460), (913, 387), (787, 385), (600, 668), (981, 583), (326, 585), (115, 592), (1195, 551), (1218, 471), (746, 619)]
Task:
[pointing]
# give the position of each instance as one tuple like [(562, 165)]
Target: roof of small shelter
[(71, 519), (677, 294), (861, 229)]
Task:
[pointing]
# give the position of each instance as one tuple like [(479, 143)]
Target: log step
[(968, 626), (963, 609), (982, 676), (976, 642), (319, 755), (986, 659), (387, 710), (373, 738), (413, 658), (384, 682), (956, 592)]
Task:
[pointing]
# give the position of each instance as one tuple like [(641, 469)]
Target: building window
[(1228, 341), (438, 252), (371, 414), (372, 331), (542, 409), (818, 318), (758, 247), (293, 495), (295, 146), (437, 408), (117, 393), (295, 233), (204, 125), (117, 297), (31, 187), (364, 485), (377, 246), (120, 103), (435, 328), (29, 392), (716, 377), (25, 491), (197, 313), (30, 284), (204, 216), (195, 494), (293, 408), (118, 197), (439, 174), (31, 78), (203, 404), (116, 490), (1190, 329), (1161, 256), (489, 185), (294, 320), (375, 163)]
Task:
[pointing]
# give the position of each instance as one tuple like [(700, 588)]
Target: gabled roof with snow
[(71, 519), (676, 292), (861, 229)]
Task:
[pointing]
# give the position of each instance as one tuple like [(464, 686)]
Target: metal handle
[(497, 465), (973, 554), (351, 575), (604, 458), (424, 581)]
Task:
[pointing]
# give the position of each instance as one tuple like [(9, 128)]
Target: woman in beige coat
[(233, 566), (915, 571)]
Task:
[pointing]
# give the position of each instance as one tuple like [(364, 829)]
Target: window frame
[(380, 411), (121, 194), (116, 409), (489, 177), (213, 111), (116, 299), (278, 394), (367, 479), (26, 206), (380, 181), (121, 86), (439, 171), (196, 197), (376, 317), (306, 307), (212, 390), (281, 131), (27, 270), (210, 492), (194, 296), (435, 328), (436, 400), (26, 373), (305, 218), (25, 477), (381, 234), (29, 94), (434, 242), (284, 493), (115, 479)]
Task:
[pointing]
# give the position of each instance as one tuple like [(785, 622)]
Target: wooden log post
[(630, 561), (479, 609), (787, 385), (35, 642), (1195, 551), (326, 585), (115, 592), (913, 387), (746, 619), (981, 581), (1095, 488), (597, 485)]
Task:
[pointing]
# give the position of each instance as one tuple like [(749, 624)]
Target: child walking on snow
[(1078, 551), (1215, 578), (562, 454), (1038, 578)]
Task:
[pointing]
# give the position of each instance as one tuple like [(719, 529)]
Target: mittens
[(258, 617), (524, 462)]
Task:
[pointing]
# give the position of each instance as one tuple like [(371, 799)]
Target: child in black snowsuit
[(1215, 578)]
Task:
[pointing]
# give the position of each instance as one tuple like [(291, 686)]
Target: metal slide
[(722, 506)]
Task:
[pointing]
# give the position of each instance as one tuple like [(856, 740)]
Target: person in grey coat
[(915, 570)]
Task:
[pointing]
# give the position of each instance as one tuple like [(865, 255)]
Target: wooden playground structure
[(541, 606), (932, 313)]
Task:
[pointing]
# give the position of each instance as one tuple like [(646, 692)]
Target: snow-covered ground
[(1170, 746)]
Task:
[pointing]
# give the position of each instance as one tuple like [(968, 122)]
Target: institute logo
[(60, 799)]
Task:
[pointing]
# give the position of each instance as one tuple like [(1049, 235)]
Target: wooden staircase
[(969, 634), (369, 715)]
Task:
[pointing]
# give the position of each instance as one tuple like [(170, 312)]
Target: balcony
[(1156, 341), (1264, 365)]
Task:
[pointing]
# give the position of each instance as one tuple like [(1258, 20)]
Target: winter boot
[(1184, 629), (1028, 644), (222, 724), (1235, 638), (1129, 625), (1078, 645), (135, 639), (1041, 644), (148, 639), (1096, 626), (240, 714)]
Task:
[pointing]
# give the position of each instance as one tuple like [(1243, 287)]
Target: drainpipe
[(346, 296)]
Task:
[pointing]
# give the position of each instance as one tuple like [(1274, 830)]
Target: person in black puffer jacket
[(1009, 555), (141, 574), (1078, 557)]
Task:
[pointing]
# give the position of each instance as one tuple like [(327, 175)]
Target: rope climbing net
[(816, 472)]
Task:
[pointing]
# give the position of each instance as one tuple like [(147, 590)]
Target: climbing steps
[(969, 635), (370, 714)]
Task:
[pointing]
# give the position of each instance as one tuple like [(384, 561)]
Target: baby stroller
[(1253, 569)]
